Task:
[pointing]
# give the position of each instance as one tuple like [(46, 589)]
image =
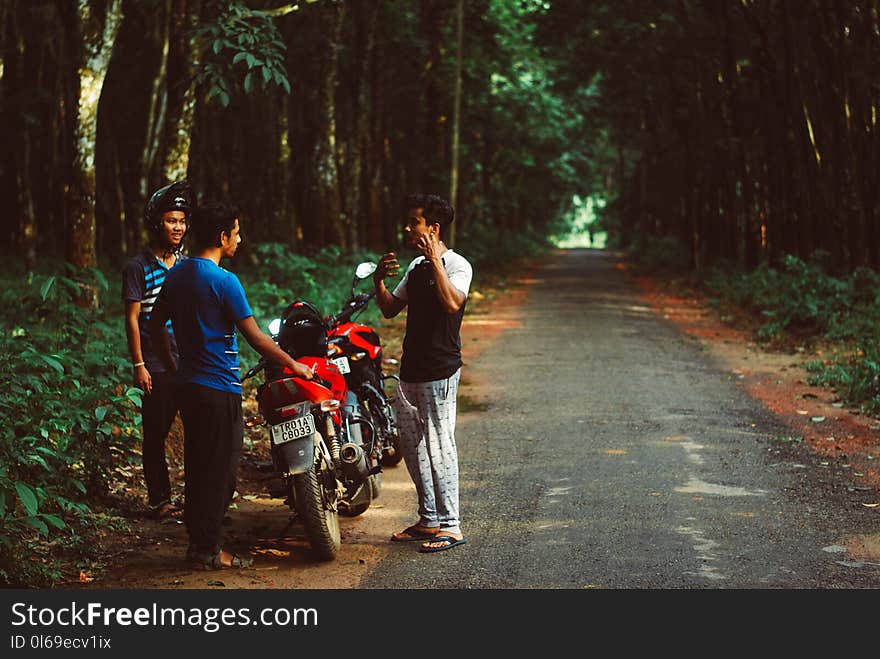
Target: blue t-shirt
[(205, 302)]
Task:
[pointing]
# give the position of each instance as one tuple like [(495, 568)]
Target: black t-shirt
[(432, 345)]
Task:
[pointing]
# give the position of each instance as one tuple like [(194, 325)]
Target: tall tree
[(98, 22)]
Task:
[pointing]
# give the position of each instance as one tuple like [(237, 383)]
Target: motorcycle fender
[(298, 456)]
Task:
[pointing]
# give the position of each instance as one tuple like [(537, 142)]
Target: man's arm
[(142, 378), (159, 333), (263, 344), (388, 267), (450, 297)]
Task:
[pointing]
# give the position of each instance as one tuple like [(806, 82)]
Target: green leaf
[(54, 520), (33, 457), (224, 99), (101, 279), (247, 82), (47, 286), (2, 503), (38, 524), (266, 74), (241, 56), (216, 46), (101, 412), (78, 485), (28, 497), (53, 363)]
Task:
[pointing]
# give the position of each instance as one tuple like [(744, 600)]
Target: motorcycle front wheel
[(320, 520)]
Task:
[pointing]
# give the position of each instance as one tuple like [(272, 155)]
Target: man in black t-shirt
[(434, 288)]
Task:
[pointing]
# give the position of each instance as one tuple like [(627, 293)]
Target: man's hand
[(388, 267), (302, 371), (143, 380), (429, 246)]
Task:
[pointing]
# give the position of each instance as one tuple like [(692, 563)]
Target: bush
[(800, 299), (70, 420)]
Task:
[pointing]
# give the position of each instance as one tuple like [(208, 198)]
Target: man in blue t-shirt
[(206, 304)]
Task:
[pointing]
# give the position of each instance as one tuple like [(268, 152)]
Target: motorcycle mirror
[(365, 269), (274, 326)]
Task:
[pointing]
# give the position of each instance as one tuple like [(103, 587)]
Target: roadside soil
[(149, 554)]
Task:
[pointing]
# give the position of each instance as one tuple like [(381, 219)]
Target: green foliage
[(68, 419), (800, 299), (243, 52), (498, 252)]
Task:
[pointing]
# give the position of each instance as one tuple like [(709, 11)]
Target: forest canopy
[(734, 131)]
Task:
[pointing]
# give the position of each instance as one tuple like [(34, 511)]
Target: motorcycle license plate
[(301, 426), (342, 364)]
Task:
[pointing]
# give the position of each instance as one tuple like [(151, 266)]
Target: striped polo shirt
[(142, 279)]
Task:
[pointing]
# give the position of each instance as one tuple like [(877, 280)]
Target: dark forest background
[(734, 130)]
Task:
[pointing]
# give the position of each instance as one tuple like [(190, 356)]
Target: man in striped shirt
[(165, 218)]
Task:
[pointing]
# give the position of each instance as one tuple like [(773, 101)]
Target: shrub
[(70, 421)]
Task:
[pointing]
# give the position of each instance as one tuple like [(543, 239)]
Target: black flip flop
[(440, 538)]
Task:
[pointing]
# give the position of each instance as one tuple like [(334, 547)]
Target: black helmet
[(174, 197), (303, 331)]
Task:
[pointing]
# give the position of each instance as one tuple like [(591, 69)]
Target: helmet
[(303, 331), (174, 197)]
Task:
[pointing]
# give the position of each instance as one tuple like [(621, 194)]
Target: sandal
[(415, 532), (215, 562)]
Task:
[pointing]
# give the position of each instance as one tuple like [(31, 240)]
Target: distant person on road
[(165, 218), (434, 288), (205, 304)]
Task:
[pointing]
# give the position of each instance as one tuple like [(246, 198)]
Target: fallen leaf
[(803, 412), (871, 505), (215, 582), (817, 419), (84, 578), (249, 497), (836, 404)]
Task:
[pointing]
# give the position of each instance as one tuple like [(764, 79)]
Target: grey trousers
[(426, 422)]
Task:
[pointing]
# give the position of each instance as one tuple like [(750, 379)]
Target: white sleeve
[(460, 274), (400, 290)]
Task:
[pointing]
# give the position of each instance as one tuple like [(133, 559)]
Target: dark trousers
[(157, 412), (213, 429)]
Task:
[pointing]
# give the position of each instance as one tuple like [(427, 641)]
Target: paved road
[(603, 450)]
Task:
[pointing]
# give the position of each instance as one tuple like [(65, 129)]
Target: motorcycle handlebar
[(356, 303)]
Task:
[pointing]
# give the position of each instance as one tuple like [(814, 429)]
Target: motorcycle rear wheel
[(321, 522)]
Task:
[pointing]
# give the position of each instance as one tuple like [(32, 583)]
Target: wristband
[(138, 364)]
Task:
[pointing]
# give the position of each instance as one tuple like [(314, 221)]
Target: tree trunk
[(327, 173), (181, 89), (97, 33), (456, 117)]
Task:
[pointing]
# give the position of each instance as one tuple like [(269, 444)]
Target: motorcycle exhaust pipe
[(353, 461)]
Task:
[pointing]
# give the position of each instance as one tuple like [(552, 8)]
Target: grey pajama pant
[(426, 422)]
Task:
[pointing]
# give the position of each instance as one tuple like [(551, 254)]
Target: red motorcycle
[(315, 432), (357, 350)]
